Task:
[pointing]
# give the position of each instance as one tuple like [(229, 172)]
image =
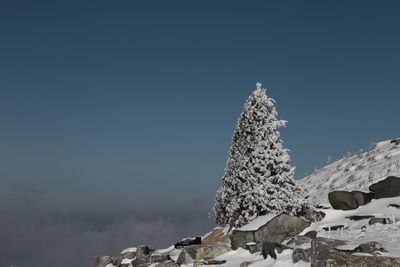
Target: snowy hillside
[(356, 172)]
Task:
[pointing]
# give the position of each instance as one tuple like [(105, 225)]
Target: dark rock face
[(275, 231), (188, 241), (397, 206), (360, 217), (390, 187), (343, 200)]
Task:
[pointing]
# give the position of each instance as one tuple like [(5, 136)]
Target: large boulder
[(343, 200), (390, 187), (276, 230), (197, 253)]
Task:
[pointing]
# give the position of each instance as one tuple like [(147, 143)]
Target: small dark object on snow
[(359, 217), (397, 206), (395, 141), (188, 241), (334, 228)]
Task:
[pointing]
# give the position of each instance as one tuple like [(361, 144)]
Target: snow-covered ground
[(355, 172)]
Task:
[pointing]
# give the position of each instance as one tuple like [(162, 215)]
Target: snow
[(257, 222), (132, 249), (388, 235), (236, 257), (355, 172)]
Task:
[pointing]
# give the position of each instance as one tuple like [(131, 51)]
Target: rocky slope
[(357, 225), (355, 172)]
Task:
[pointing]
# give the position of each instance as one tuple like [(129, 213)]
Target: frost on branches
[(258, 177)]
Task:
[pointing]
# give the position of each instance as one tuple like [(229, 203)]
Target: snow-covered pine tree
[(258, 176)]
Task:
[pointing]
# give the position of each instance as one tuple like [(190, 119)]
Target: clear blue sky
[(129, 106)]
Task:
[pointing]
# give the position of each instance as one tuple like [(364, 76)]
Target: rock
[(150, 259), (276, 230), (359, 217), (101, 261), (343, 200), (336, 259), (379, 220), (168, 263), (311, 234), (362, 198), (390, 187), (188, 241), (116, 260), (216, 236), (128, 255), (269, 248), (395, 141), (397, 206), (208, 262), (245, 264), (299, 240), (334, 227), (300, 254), (370, 247), (144, 251), (314, 216), (253, 247), (194, 253)]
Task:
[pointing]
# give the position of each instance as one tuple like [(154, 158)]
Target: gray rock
[(147, 260), (208, 262), (270, 249), (299, 240), (101, 261), (245, 264), (337, 259), (379, 220), (276, 230), (194, 253), (300, 254), (362, 198), (390, 187), (359, 217), (370, 247), (168, 263), (314, 216), (343, 200), (144, 251), (128, 255)]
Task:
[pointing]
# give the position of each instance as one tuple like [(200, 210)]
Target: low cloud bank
[(72, 239)]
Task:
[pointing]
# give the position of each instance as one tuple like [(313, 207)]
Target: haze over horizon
[(116, 117)]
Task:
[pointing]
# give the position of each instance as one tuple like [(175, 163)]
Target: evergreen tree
[(258, 177)]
